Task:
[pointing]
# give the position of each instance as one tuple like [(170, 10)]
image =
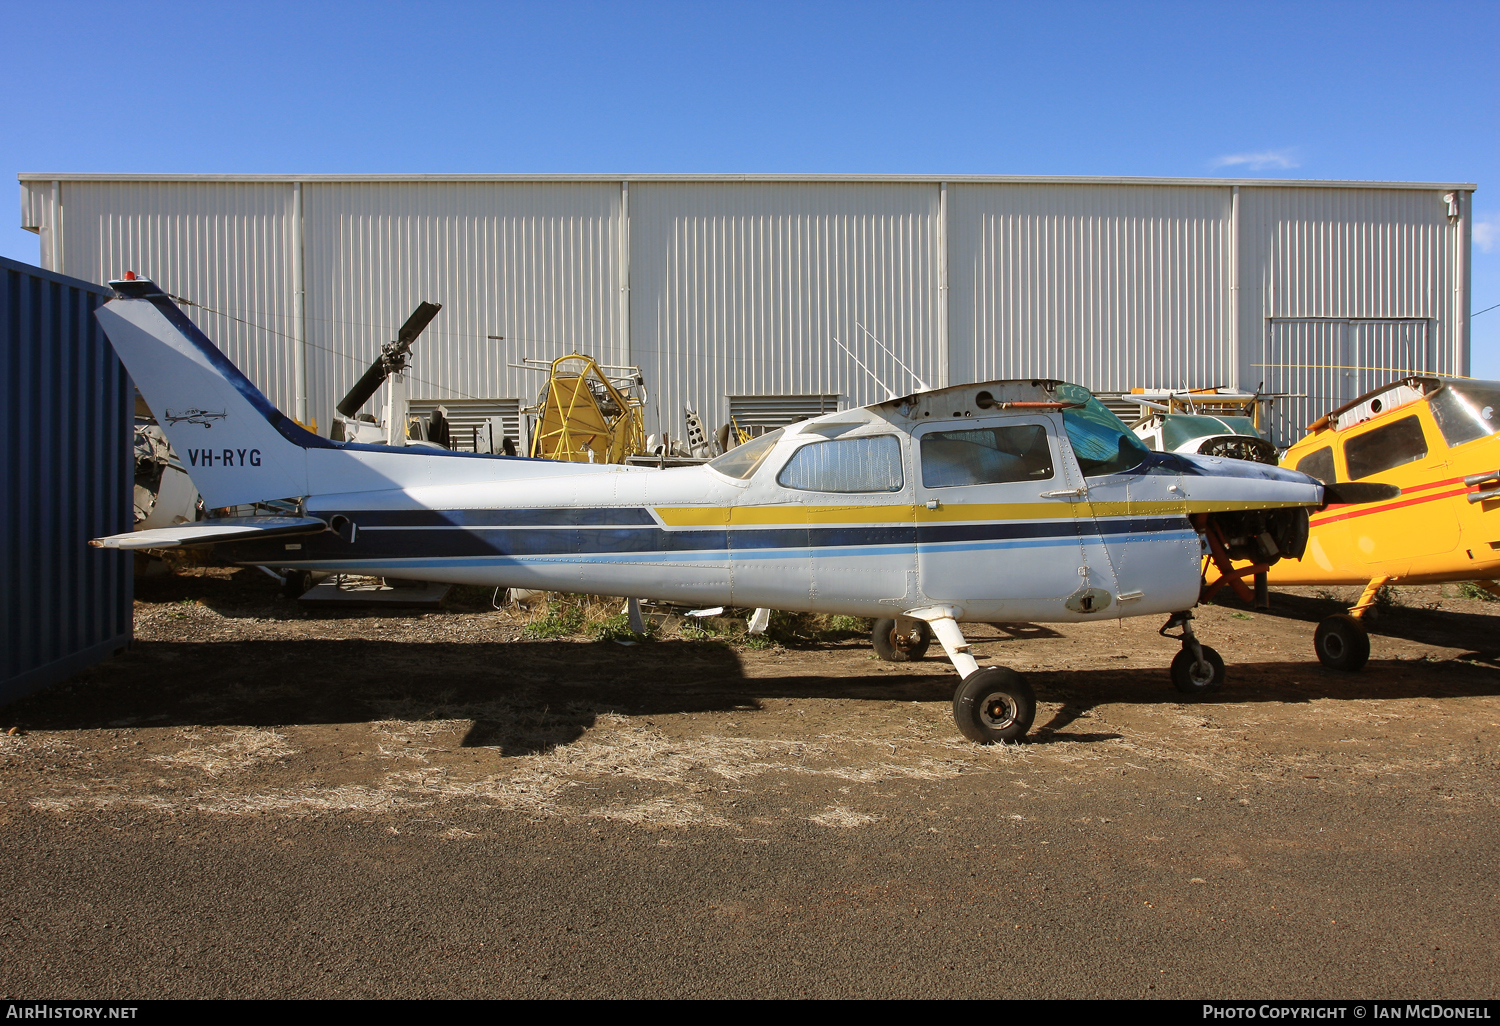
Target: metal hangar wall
[(780, 286)]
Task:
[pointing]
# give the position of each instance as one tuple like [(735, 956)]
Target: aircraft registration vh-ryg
[(1003, 501)]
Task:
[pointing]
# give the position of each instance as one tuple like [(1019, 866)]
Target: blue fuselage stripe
[(606, 534)]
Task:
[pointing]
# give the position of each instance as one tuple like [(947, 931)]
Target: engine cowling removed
[(1262, 535)]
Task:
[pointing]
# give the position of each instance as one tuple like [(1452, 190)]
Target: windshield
[(1101, 441), (1466, 410), (742, 461)]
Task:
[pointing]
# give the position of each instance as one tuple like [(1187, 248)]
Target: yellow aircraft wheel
[(1194, 678), (1342, 643), (994, 704), (901, 641)]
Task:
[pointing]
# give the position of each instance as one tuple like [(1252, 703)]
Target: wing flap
[(207, 532)]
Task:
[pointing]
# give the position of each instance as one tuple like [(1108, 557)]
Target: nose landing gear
[(1197, 669)]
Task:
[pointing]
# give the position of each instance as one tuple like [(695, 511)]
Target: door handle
[(1067, 493)]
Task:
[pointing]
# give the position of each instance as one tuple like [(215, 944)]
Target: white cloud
[(1268, 159), (1486, 233)]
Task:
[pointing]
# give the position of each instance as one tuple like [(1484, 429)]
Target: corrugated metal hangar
[(775, 289)]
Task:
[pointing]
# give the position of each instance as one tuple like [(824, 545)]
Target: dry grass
[(241, 750), (839, 817)]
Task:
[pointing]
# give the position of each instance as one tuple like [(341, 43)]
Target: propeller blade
[(376, 374), (1352, 493)]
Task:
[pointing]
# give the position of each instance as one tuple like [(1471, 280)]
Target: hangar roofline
[(1267, 183)]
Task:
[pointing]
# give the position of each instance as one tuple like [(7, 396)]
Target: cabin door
[(1003, 526)]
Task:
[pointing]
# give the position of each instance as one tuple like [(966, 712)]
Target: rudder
[(234, 444)]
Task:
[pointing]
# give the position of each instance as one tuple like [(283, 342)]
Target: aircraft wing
[(207, 532)]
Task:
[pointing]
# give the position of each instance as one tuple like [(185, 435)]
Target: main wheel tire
[(994, 704), (1342, 643), (897, 646), (1189, 677), (295, 583)]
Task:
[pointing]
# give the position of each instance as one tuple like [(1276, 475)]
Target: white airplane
[(996, 502)]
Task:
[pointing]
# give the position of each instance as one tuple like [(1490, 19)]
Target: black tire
[(895, 646), (1342, 643), (1188, 676), (295, 583), (994, 704)]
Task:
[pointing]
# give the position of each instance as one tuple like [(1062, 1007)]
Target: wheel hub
[(998, 711), (906, 640)]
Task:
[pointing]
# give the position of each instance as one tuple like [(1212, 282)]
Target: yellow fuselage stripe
[(722, 516)]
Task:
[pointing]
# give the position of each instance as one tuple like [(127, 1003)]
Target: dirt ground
[(256, 800)]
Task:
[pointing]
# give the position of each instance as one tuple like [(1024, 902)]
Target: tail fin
[(234, 444)]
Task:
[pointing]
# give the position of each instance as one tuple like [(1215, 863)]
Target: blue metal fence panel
[(66, 411)]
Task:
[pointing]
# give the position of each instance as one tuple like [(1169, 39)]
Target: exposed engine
[(1239, 447), (1262, 535)]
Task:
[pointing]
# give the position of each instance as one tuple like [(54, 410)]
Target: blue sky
[(1299, 90)]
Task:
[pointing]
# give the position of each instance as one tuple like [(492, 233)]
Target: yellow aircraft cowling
[(1433, 444), (1433, 531)]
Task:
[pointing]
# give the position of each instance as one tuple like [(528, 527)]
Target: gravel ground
[(255, 801)]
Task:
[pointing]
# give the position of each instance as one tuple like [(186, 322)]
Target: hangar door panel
[(1381, 351), (1326, 362), (1304, 358)]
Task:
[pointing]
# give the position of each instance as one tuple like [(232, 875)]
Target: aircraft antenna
[(922, 386), (888, 393)]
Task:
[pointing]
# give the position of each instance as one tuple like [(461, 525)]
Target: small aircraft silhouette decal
[(203, 417)]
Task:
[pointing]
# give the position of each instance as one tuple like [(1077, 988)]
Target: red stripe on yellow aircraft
[(1320, 521)]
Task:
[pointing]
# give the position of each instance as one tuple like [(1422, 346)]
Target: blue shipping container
[(66, 475)]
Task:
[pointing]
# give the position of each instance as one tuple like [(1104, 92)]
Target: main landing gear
[(1341, 641), (902, 640), (991, 703)]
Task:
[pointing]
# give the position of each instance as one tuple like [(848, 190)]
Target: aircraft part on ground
[(585, 416)]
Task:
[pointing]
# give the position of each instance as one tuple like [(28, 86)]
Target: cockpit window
[(848, 465), (993, 455), (1466, 410), (1388, 446), (1101, 441), (1318, 464), (743, 460)]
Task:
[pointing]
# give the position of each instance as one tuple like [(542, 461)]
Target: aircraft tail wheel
[(901, 641), (1192, 677), (1341, 643), (994, 704)]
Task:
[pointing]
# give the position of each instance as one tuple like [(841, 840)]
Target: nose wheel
[(1197, 669)]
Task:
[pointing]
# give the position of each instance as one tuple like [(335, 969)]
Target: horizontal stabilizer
[(207, 532)]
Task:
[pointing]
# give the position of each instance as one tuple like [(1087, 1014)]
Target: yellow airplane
[(1436, 439)]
